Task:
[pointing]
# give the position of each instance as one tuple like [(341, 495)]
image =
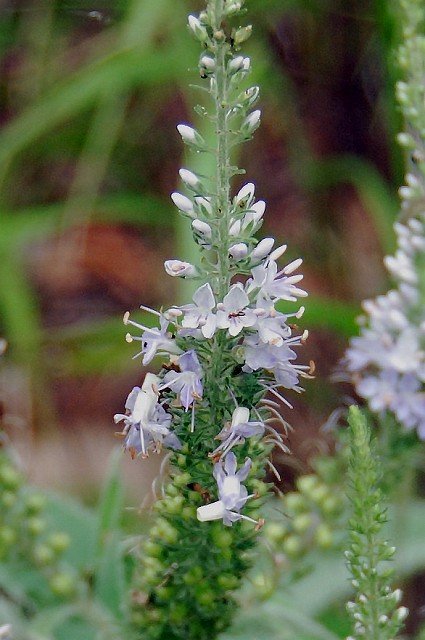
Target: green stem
[(223, 154)]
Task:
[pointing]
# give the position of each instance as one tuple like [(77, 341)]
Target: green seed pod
[(227, 581), (152, 548), (193, 576), (331, 505)]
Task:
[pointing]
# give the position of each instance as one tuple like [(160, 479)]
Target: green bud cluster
[(374, 609), (24, 534), (313, 519)]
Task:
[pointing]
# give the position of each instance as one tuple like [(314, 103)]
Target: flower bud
[(249, 97), (242, 34), (245, 196), (233, 7), (253, 216), (240, 63), (251, 123), (206, 64), (180, 268), (183, 203), (190, 136), (235, 228), (201, 228), (190, 179), (198, 29), (238, 251), (262, 249)]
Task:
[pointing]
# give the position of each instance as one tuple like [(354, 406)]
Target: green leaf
[(109, 580)]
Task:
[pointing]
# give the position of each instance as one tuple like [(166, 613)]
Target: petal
[(213, 511), (204, 297), (230, 464), (236, 299)]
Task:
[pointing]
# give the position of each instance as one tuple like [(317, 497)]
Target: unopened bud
[(238, 251), (180, 269), (262, 249), (190, 136), (190, 179), (242, 34), (183, 203), (251, 123), (198, 29), (202, 228)]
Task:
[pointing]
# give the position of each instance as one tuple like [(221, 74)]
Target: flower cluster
[(388, 358), (259, 339), (230, 345)]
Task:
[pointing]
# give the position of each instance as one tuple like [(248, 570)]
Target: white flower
[(187, 381), (233, 313), (180, 268), (201, 313)]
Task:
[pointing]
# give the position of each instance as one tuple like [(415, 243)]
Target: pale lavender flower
[(271, 325), (200, 314), (277, 359), (276, 285), (186, 382), (237, 431), (232, 494), (146, 423), (154, 340), (233, 313), (387, 360)]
